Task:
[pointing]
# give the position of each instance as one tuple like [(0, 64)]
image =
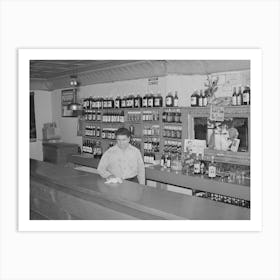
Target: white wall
[(43, 114), (183, 84)]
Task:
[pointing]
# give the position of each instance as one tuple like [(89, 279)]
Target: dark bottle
[(145, 101), (158, 101), (212, 168), (164, 116), (85, 103), (168, 161), (100, 102), (205, 99), (123, 102), (239, 97), (118, 102), (176, 100), (162, 160), (137, 101), (122, 117), (150, 100), (194, 99), (169, 100), (200, 99), (246, 96), (234, 97)]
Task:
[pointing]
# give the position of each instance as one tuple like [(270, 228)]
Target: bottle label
[(234, 100), (212, 172), (151, 102), (144, 102), (193, 101), (205, 101), (196, 168), (168, 101), (176, 102), (200, 102), (246, 98), (136, 103)]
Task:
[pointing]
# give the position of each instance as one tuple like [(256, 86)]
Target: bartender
[(123, 160)]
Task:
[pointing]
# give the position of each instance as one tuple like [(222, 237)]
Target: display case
[(236, 120)]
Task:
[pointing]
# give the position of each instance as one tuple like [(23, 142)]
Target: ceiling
[(47, 69)]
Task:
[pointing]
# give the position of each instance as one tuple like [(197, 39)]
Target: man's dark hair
[(123, 131)]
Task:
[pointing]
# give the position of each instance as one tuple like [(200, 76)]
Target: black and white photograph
[(146, 139)]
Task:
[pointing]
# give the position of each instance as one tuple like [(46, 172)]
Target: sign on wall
[(67, 97)]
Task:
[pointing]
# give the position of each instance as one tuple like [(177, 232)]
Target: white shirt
[(124, 164)]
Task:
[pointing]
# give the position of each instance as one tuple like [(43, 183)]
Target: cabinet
[(58, 152)]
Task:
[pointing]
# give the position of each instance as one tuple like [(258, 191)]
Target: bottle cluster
[(113, 116), (172, 101), (151, 130), (91, 115), (241, 97), (172, 132), (199, 166), (199, 98), (171, 116), (92, 147), (150, 116), (134, 116), (91, 130), (151, 144), (108, 133)]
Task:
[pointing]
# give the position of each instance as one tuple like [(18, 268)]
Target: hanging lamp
[(75, 106)]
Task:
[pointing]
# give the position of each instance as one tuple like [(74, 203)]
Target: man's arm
[(140, 169), (102, 166)]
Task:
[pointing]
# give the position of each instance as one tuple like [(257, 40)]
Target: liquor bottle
[(162, 160), (194, 99), (200, 99), (168, 161), (239, 97), (176, 99), (205, 99), (145, 101), (122, 117), (138, 101), (118, 102), (169, 100), (246, 96), (123, 102), (202, 166), (234, 97), (212, 168), (196, 166), (150, 100), (158, 100)]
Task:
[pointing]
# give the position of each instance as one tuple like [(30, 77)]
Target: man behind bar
[(122, 160)]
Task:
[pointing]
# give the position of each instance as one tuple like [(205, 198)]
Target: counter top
[(168, 176), (138, 201)]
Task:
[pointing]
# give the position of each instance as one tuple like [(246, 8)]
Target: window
[(32, 118)]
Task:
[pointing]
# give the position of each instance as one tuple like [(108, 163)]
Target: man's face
[(123, 141)]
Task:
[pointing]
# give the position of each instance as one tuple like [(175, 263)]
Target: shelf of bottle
[(149, 151), (171, 138), (94, 121), (134, 122), (172, 123), (157, 136), (148, 122)]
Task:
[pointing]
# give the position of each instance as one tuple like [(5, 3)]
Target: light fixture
[(75, 106)]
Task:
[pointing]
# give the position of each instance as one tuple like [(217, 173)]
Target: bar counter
[(167, 176), (58, 192)]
